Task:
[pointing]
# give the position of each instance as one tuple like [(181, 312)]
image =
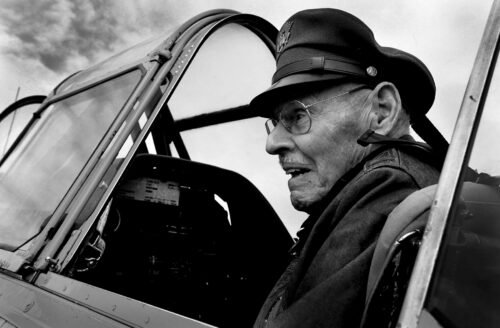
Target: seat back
[(464, 289), (401, 219), (394, 256)]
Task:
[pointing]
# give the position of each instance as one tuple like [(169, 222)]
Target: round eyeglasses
[(295, 116)]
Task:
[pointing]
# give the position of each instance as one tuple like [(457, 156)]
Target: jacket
[(325, 282)]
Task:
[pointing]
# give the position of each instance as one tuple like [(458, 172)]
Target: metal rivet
[(372, 71)]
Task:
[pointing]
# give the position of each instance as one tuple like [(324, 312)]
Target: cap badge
[(284, 36)]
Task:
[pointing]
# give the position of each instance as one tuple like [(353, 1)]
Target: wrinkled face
[(317, 159)]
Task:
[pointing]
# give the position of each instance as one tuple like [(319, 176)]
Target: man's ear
[(386, 108)]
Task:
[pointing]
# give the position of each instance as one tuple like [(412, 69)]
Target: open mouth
[(296, 172)]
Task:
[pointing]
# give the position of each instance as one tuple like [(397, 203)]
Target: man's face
[(317, 159)]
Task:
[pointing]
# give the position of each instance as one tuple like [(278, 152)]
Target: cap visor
[(266, 101)]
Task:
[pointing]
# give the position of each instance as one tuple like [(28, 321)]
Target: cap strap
[(322, 64)]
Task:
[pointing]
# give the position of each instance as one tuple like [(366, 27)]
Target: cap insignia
[(284, 36)]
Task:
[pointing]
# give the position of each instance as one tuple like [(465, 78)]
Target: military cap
[(319, 45)]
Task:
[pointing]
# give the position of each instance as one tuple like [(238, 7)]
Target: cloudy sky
[(43, 41)]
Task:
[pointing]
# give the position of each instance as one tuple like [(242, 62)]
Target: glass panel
[(485, 156), (112, 64), (12, 125), (465, 291), (231, 68), (38, 174)]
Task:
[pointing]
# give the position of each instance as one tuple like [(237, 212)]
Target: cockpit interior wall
[(190, 238)]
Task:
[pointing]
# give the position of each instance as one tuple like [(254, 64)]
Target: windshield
[(465, 291), (35, 178), (116, 62), (226, 79), (12, 125)]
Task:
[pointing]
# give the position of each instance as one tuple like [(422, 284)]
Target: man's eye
[(300, 117)]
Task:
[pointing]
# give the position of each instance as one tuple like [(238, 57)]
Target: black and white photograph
[(249, 164)]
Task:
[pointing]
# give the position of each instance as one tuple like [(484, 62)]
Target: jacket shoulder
[(419, 168)]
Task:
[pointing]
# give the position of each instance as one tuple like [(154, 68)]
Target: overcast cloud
[(60, 33)]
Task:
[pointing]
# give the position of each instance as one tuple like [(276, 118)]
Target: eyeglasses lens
[(294, 117), (270, 125)]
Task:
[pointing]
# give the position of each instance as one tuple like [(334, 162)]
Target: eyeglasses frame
[(305, 107)]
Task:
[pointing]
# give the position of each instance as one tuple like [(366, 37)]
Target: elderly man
[(339, 114)]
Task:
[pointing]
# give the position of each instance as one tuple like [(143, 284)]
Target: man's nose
[(279, 140)]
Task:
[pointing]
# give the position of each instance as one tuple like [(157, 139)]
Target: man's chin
[(301, 203), (306, 202)]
